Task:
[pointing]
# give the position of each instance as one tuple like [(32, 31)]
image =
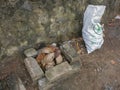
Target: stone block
[(69, 52), (31, 52), (44, 84), (58, 71), (33, 68)]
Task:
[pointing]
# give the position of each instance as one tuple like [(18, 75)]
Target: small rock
[(31, 52), (59, 59), (113, 62), (54, 44)]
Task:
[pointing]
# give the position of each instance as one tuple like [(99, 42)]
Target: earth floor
[(100, 70)]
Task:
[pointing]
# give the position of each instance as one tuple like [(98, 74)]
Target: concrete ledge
[(69, 52), (33, 68), (45, 84), (58, 71)]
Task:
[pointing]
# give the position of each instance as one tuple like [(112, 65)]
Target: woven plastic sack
[(92, 31)]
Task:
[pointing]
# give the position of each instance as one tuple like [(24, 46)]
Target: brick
[(31, 52), (69, 52), (33, 68), (58, 71)]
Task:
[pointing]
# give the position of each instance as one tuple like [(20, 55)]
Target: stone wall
[(25, 23)]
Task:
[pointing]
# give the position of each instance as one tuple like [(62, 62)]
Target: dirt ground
[(100, 70)]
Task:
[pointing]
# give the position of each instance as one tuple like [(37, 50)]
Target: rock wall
[(25, 23)]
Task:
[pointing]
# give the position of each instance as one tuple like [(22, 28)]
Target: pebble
[(59, 59)]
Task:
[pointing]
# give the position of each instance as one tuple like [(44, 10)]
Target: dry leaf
[(49, 65), (57, 53), (48, 58), (40, 57), (48, 49)]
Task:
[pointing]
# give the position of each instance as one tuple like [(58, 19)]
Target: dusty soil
[(14, 66), (100, 70)]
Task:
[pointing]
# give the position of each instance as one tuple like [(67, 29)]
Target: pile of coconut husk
[(49, 56)]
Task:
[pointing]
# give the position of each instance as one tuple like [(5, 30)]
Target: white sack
[(92, 31)]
